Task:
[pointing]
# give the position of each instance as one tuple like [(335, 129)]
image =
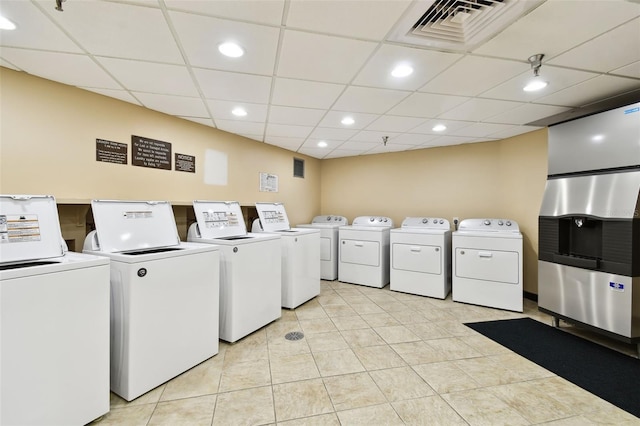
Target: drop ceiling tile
[(452, 126), (612, 50), (558, 79), (514, 131), (346, 18), (205, 121), (339, 153), (331, 133), (260, 11), (479, 130), (201, 35), (314, 152), (631, 70), (427, 105), (296, 116), (222, 110), (390, 147), (473, 75), (359, 146), (284, 142), (69, 68), (34, 29), (122, 95), (368, 100), (232, 86), (118, 31), (173, 105), (253, 137), (306, 94), (334, 119), (370, 136), (312, 143), (478, 109), (288, 130), (557, 26), (391, 123), (449, 140), (426, 64), (240, 127), (151, 77), (591, 90), (413, 139), (322, 58), (525, 114)]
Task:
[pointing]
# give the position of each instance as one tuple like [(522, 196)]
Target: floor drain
[(294, 335)]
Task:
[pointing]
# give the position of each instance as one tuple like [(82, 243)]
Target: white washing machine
[(164, 294), (364, 251), (328, 226), (421, 257), (54, 320), (250, 268), (487, 263), (300, 254)]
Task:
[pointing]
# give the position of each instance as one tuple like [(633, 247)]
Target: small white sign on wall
[(215, 167), (268, 182)]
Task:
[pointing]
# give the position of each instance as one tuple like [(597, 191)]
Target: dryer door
[(360, 252), (417, 258), (487, 265)]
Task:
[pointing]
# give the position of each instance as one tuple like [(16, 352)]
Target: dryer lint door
[(134, 225), (219, 219)]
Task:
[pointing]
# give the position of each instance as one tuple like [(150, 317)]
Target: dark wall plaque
[(147, 152), (185, 163), (111, 152)]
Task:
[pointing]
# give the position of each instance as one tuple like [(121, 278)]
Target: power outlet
[(456, 221)]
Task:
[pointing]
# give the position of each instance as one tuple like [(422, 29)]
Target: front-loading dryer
[(364, 251), (487, 264), (421, 257), (328, 226), (250, 268), (54, 317), (300, 254), (164, 294)]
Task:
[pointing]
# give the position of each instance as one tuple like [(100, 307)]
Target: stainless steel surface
[(601, 141), (606, 301), (614, 195)]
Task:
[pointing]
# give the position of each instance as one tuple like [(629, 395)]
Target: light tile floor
[(370, 357)]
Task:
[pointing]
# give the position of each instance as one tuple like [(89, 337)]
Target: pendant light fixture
[(537, 83)]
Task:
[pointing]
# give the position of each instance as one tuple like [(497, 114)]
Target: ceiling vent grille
[(458, 25)]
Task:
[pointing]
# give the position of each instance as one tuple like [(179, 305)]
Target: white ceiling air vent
[(458, 25)]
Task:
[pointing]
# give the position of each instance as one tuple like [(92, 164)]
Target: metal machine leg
[(556, 323)]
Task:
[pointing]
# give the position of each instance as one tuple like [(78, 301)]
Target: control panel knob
[(435, 221), (487, 222), (441, 221), (425, 220), (508, 223), (500, 222), (372, 219), (328, 217), (386, 220)]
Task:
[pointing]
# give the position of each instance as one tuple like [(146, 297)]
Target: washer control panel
[(489, 225), (331, 220), (380, 221), (426, 222)]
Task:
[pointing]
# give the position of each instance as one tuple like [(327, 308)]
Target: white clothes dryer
[(364, 251), (54, 316), (300, 254), (421, 257), (328, 226), (250, 268), (487, 264), (164, 294)]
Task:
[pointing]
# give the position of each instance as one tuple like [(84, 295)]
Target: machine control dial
[(500, 223), (487, 222), (441, 221), (425, 220), (385, 219), (508, 223), (372, 219), (328, 217)]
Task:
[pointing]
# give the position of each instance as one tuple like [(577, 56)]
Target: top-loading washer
[(300, 254), (54, 320), (487, 263), (421, 257), (164, 294), (328, 226), (364, 251), (250, 268)]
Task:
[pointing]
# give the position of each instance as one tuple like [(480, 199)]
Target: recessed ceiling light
[(239, 112), (323, 144), (402, 71), (534, 85), (348, 121), (6, 24), (231, 50), (597, 138), (439, 128)]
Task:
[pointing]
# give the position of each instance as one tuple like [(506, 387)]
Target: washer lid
[(273, 217), (219, 219), (29, 228), (134, 225)]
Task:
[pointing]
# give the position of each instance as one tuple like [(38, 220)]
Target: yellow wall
[(492, 179), (47, 145)]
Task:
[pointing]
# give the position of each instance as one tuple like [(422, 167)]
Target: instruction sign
[(19, 228), (111, 152), (185, 163), (268, 182), (151, 153)]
